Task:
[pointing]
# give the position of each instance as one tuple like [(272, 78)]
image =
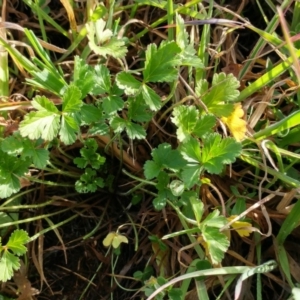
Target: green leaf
[(151, 169), (42, 103), (175, 294), (89, 156), (12, 145), (100, 128), (40, 124), (89, 182), (151, 98), (102, 81), (102, 41), (89, 114), (177, 187), (138, 110), (214, 220), (71, 100), (161, 63), (188, 53), (68, 130), (290, 223), (8, 263), (43, 123), (38, 155), (217, 152), (190, 175), (46, 80), (191, 151), (182, 37), (26, 148), (190, 59), (11, 169), (135, 131), (187, 119), (112, 104), (128, 83), (198, 208), (224, 89), (83, 77), (163, 157), (159, 202), (118, 124), (17, 240), (217, 243)]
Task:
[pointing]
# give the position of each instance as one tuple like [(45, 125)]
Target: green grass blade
[(287, 123), (38, 11), (4, 74), (290, 223)]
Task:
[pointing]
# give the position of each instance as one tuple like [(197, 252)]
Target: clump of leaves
[(91, 161)]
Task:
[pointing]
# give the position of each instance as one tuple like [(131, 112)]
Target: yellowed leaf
[(114, 239), (236, 123), (204, 245), (240, 227)]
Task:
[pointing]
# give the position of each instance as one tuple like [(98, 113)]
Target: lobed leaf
[(17, 240), (161, 63), (217, 152), (217, 243)]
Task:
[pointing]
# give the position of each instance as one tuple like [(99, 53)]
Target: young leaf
[(38, 155), (217, 152), (161, 63), (190, 175), (89, 156), (89, 182), (191, 172)]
